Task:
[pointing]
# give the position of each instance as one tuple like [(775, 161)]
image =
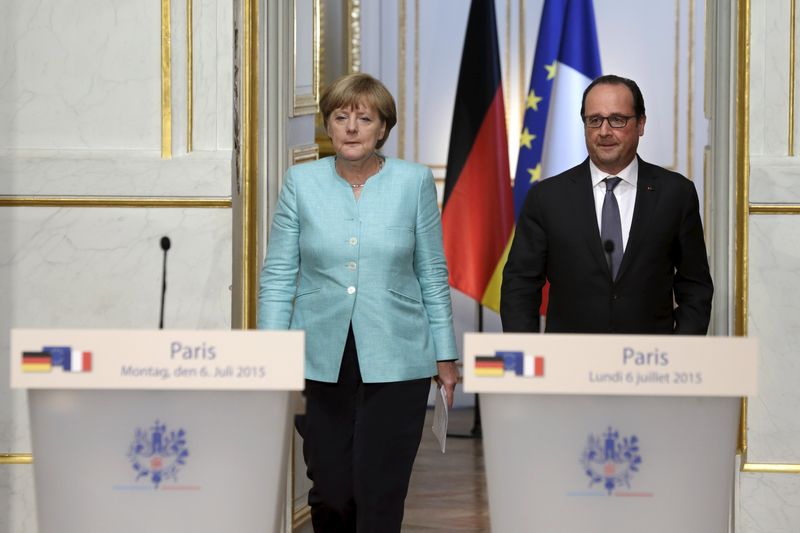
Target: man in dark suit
[(619, 240)]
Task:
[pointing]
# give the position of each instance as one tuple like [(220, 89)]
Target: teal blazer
[(376, 262)]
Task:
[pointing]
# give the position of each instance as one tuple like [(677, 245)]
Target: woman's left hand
[(447, 377)]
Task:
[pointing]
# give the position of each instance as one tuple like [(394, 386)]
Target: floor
[(448, 491)]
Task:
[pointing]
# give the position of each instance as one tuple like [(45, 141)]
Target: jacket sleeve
[(431, 270), (278, 280), (692, 285), (526, 270)]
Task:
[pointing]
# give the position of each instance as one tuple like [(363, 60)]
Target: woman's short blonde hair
[(353, 90)]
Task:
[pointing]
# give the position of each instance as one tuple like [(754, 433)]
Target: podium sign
[(158, 430), (163, 359), (609, 433)]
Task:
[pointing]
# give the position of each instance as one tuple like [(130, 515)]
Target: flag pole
[(477, 430), (478, 202)]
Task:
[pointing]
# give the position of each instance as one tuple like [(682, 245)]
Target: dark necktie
[(611, 226)]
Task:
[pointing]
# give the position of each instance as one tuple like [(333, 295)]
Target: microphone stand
[(165, 245)]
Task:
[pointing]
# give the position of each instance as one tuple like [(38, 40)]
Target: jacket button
[(351, 265), (351, 290), (353, 241), (614, 296)]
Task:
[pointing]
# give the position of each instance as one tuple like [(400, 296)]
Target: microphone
[(608, 248), (165, 245)]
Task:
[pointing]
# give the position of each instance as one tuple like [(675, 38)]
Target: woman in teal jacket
[(355, 259)]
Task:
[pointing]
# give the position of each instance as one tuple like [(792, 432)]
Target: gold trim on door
[(792, 41), (189, 77), (248, 228), (166, 81), (180, 202), (775, 209), (354, 36), (16, 458)]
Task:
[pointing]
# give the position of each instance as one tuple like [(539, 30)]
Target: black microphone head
[(608, 246), (165, 244)]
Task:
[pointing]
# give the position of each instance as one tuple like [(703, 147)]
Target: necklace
[(380, 167)]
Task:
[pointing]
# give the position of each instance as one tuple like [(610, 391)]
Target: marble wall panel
[(80, 74), (774, 109), (87, 75), (120, 173), (213, 75), (774, 179), (224, 59), (774, 293), (757, 79), (768, 503), (769, 78), (17, 503), (100, 268)]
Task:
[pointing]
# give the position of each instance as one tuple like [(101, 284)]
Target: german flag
[(489, 366), (478, 212), (36, 362)]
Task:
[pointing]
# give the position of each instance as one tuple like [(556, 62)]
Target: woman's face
[(355, 132)]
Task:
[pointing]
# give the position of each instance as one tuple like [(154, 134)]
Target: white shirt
[(625, 193)]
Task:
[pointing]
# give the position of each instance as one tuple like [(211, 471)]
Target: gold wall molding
[(771, 468), (774, 209), (792, 43), (189, 76), (16, 458), (180, 202), (354, 35), (321, 53), (742, 165), (742, 193), (247, 199), (166, 81), (676, 80)]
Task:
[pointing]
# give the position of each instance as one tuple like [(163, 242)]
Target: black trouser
[(360, 441)]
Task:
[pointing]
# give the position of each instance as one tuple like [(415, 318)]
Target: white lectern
[(600, 433), (158, 431)]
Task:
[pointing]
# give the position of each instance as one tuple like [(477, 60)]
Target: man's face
[(612, 149)]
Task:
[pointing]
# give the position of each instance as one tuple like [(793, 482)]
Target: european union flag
[(512, 362), (61, 356)]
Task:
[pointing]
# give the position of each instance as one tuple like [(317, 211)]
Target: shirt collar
[(629, 174)]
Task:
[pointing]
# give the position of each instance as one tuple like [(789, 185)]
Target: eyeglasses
[(615, 121)]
